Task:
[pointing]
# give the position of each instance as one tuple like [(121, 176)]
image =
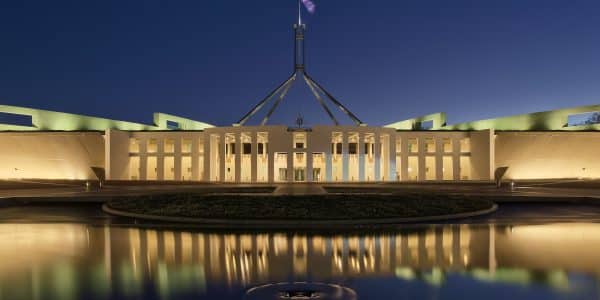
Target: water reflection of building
[(65, 260)]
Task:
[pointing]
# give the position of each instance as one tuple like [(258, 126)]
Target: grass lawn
[(304, 207)]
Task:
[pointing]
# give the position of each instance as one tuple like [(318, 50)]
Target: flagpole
[(300, 70), (299, 13)]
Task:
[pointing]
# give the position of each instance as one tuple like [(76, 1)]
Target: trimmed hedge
[(299, 207)]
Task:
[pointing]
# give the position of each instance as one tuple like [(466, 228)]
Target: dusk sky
[(385, 60)]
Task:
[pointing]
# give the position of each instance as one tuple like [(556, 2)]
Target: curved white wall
[(50, 155)]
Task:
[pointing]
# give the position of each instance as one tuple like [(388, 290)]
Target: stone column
[(207, 157), (456, 158), (345, 157), (309, 162), (238, 157), (143, 159), (177, 158), (328, 166), (195, 152), (271, 163), (422, 153), (439, 159), (290, 165), (377, 156), (361, 157), (253, 156), (404, 158), (309, 159), (160, 159), (222, 158), (393, 176)]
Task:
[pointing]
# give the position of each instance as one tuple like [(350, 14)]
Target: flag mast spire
[(318, 91), (299, 13)]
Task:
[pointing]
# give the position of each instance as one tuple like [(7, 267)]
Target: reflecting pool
[(79, 261)]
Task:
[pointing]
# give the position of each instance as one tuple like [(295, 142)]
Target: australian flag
[(310, 6)]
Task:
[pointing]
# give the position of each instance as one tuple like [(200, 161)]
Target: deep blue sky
[(386, 60)]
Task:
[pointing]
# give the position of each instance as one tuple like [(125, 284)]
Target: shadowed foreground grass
[(303, 207)]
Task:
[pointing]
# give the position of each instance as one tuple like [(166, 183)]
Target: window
[(338, 148), (353, 148), (282, 174), (413, 168), (299, 140), (447, 145), (430, 170), (186, 146), (299, 174), (247, 148), (16, 119), (152, 146), (261, 148), (465, 167), (447, 168), (581, 119), (413, 145), (169, 146), (172, 125), (425, 125), (430, 145), (465, 145), (232, 148), (134, 145)]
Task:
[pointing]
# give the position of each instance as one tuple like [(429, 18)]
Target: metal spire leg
[(332, 99), (281, 96), (260, 104), (312, 88)]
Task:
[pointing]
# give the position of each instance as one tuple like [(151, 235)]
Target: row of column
[(195, 155), (383, 169), (384, 158)]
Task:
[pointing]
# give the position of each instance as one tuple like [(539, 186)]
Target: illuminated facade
[(66, 146), (55, 145)]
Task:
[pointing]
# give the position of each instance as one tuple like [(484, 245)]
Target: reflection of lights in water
[(177, 262), (300, 256), (405, 273), (23, 244), (186, 247), (435, 277), (281, 245)]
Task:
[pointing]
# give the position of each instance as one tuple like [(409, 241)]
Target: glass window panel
[(169, 146), (152, 146)]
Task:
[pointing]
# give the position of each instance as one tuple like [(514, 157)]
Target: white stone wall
[(543, 155), (50, 155)]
